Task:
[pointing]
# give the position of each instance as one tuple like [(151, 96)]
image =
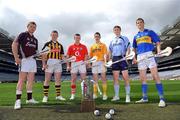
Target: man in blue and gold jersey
[(143, 45), (51, 65)]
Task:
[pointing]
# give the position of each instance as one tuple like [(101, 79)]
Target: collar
[(99, 43), (29, 34), (77, 45), (143, 30), (53, 41), (118, 37)]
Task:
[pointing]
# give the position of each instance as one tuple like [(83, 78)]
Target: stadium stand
[(170, 36)]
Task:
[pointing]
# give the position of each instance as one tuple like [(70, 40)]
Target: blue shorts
[(120, 66)]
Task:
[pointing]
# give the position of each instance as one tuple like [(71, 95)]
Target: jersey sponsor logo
[(97, 49), (28, 38), (55, 50), (77, 53), (117, 43), (144, 39), (30, 44)]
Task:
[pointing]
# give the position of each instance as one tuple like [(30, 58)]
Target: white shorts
[(79, 66), (144, 63), (98, 67), (53, 66), (28, 65)]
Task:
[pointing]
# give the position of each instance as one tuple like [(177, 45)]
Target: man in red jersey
[(80, 52)]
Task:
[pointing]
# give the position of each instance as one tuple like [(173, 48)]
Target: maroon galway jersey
[(28, 45)]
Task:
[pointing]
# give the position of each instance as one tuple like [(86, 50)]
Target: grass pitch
[(70, 110)]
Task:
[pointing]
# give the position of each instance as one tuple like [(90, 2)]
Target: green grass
[(71, 109)]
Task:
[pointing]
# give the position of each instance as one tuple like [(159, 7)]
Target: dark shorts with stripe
[(120, 66)]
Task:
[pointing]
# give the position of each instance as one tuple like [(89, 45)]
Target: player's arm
[(68, 56), (110, 52), (44, 58), (106, 58), (15, 45), (128, 51), (127, 45), (135, 51), (87, 57), (155, 39), (134, 59), (158, 46), (109, 55), (62, 53)]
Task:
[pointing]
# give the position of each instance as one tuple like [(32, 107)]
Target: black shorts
[(120, 66)]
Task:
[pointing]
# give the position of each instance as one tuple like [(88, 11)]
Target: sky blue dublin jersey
[(119, 45)]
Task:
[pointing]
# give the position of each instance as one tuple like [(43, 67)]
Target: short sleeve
[(19, 38), (155, 38), (36, 44), (45, 45), (105, 49), (62, 50), (127, 43), (86, 51), (90, 52), (69, 52), (134, 43), (110, 46)]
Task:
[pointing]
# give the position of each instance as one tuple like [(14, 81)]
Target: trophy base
[(87, 105)]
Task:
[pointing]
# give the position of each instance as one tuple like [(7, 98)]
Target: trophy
[(87, 103)]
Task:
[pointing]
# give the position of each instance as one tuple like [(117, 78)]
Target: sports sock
[(58, 90), (127, 88), (160, 91), (116, 90), (73, 89), (46, 89), (144, 91), (95, 89), (18, 94), (29, 95), (104, 86)]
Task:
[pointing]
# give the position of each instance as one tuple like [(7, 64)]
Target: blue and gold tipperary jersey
[(143, 41)]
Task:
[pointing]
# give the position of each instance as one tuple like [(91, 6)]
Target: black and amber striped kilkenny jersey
[(56, 50)]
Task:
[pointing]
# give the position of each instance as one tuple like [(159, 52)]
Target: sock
[(160, 91), (144, 91), (104, 86), (46, 89), (18, 94), (116, 90), (95, 89), (58, 90), (29, 95), (73, 89), (128, 89)]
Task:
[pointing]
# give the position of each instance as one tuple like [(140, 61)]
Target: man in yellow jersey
[(50, 64), (99, 49)]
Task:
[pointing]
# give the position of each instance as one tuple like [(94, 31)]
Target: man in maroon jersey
[(23, 47)]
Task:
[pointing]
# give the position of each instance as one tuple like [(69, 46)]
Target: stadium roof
[(5, 40), (170, 35)]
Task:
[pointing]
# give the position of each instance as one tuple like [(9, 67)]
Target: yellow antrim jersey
[(99, 50), (56, 50)]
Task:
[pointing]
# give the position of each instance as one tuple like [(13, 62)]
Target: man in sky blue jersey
[(118, 48), (143, 46)]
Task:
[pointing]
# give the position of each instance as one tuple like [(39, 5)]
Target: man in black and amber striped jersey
[(50, 65)]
